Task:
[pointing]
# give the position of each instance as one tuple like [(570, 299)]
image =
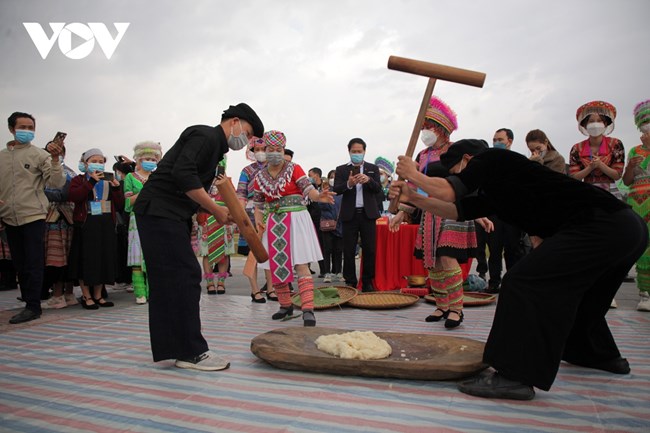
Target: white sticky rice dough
[(354, 345)]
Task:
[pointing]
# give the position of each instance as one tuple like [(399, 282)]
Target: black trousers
[(174, 288), (553, 302), (27, 246), (359, 225), (332, 252), (504, 242)]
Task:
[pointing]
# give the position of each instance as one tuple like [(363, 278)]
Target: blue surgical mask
[(93, 166), (24, 136), (499, 145), (357, 158), (148, 165), (82, 167), (118, 177)]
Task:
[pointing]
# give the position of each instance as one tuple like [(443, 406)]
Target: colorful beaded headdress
[(440, 113), (275, 138), (252, 142), (147, 148), (596, 107), (642, 113), (385, 165)]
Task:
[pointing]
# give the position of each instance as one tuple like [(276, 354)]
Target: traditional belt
[(289, 203)]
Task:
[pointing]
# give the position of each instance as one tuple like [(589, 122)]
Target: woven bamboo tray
[(378, 300), (470, 299), (417, 291), (345, 294)]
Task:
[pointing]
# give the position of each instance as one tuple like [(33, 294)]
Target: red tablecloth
[(395, 259)]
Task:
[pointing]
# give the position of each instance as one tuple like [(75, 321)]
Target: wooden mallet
[(434, 72)]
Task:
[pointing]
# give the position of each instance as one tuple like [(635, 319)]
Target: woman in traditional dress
[(441, 243), (637, 177), (281, 188), (257, 155), (146, 155)]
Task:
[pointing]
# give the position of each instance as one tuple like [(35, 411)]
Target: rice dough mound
[(354, 345)]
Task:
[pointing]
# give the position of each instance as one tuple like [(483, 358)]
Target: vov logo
[(88, 34)]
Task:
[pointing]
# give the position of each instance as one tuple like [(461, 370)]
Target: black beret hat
[(244, 112), (454, 154)]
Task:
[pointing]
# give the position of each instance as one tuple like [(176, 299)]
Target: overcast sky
[(317, 70)]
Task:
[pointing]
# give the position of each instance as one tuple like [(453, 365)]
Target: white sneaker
[(328, 278), (140, 300), (339, 278), (207, 361), (70, 299), (644, 303), (613, 304), (55, 302)]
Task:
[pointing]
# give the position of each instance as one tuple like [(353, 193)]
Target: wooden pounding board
[(426, 356)]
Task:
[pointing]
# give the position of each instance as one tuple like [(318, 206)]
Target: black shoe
[(367, 287), (104, 304), (436, 318), (260, 300), (321, 276), (628, 279), (24, 316), (282, 313), (271, 296), (86, 306), (617, 365), (451, 323), (493, 385), (308, 318), (493, 289)]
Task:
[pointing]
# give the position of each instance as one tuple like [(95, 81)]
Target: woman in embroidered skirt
[(442, 243), (637, 177), (146, 155), (58, 239), (214, 243), (245, 191), (289, 234)]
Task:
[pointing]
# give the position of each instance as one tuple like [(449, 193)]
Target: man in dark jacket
[(164, 212)]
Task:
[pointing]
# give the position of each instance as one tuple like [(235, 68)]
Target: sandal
[(437, 318), (255, 298), (271, 296), (105, 303), (221, 289), (87, 306), (213, 291)]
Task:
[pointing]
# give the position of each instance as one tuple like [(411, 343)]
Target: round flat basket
[(470, 299), (345, 293), (383, 300)]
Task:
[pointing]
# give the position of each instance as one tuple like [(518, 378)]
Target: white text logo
[(84, 34)]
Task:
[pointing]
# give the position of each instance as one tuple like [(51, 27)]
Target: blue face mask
[(357, 158), (82, 167), (24, 136), (93, 166), (499, 145), (118, 177), (148, 165)]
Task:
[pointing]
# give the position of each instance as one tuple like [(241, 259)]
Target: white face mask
[(331, 182), (645, 128), (274, 158), (240, 141), (260, 156), (595, 129), (383, 178), (428, 137)]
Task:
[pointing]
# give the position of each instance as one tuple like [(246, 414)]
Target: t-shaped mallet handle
[(434, 72)]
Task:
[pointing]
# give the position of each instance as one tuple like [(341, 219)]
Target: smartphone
[(221, 171), (356, 170), (108, 176), (60, 136)]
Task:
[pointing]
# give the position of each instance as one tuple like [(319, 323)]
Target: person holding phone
[(24, 207), (93, 254), (146, 154)]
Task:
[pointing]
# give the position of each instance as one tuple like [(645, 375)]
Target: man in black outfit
[(164, 212), (358, 181), (553, 302)]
